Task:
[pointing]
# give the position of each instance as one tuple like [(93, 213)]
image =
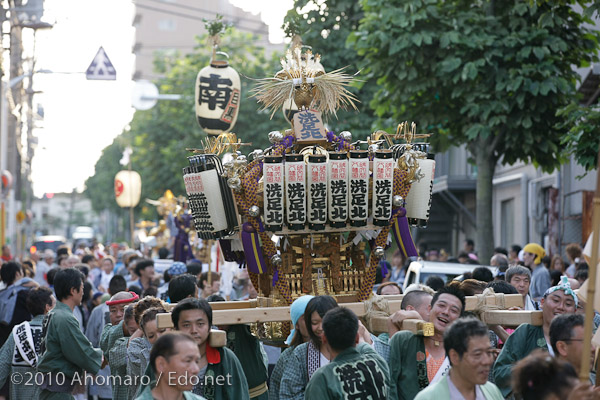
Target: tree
[(325, 27), (159, 136), (488, 74), (99, 187), (581, 139)]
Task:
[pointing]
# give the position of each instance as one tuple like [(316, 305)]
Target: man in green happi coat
[(114, 339), (66, 352), (353, 372), (557, 300), (417, 361)]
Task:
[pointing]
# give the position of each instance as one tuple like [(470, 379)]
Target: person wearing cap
[(176, 269), (65, 350), (298, 335), (557, 300), (99, 318), (130, 347), (540, 276), (113, 332)]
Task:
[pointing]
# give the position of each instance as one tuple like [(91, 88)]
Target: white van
[(419, 271)]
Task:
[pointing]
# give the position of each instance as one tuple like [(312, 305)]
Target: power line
[(189, 16)]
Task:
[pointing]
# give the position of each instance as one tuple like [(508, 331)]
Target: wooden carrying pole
[(584, 374), (247, 312)]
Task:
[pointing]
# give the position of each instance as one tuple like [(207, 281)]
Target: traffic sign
[(101, 68)]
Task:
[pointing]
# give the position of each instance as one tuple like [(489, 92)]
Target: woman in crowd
[(309, 356), (138, 351), (558, 264), (298, 335), (138, 348)]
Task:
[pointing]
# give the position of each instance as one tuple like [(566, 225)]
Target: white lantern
[(338, 189), (317, 191), (295, 191), (218, 95), (383, 187), (359, 187), (128, 188), (418, 201), (273, 192)]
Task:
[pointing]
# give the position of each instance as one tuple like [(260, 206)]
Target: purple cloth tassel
[(252, 249), (402, 235), (384, 269)]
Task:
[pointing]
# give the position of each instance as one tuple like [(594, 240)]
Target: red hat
[(133, 298)]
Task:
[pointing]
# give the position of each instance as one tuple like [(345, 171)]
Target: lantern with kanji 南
[(218, 95), (128, 188)]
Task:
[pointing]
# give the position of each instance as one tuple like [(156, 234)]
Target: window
[(167, 25)]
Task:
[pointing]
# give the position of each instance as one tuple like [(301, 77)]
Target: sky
[(82, 117)]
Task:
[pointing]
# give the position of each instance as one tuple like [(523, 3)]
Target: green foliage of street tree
[(488, 74), (325, 27), (159, 136), (99, 187), (582, 138)]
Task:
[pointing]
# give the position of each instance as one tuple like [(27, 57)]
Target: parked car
[(419, 271), (83, 235), (52, 242)]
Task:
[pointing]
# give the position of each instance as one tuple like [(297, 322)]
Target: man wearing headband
[(99, 318), (540, 277), (557, 300), (115, 331), (66, 352), (117, 328)]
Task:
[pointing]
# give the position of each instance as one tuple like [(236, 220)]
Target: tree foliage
[(159, 136), (582, 139), (99, 187), (488, 74)]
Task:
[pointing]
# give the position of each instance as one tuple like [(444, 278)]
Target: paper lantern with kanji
[(218, 95), (128, 188)]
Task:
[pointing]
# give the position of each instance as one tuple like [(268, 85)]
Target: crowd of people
[(84, 325)]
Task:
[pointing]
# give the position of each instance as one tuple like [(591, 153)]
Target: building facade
[(170, 27)]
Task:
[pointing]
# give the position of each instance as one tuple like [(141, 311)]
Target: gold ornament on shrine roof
[(221, 144), (409, 159), (304, 80)]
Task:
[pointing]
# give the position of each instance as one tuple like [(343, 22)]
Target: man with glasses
[(469, 349), (566, 338), (557, 300)]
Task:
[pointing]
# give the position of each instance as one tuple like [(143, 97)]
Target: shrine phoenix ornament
[(304, 80)]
